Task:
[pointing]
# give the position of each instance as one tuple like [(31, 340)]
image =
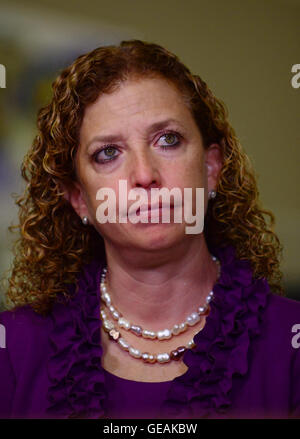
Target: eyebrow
[(115, 137)]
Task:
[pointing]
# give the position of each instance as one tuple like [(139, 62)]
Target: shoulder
[(276, 341), (280, 333), (23, 325), (24, 336), (23, 321), (282, 312), (283, 316), (281, 326), (24, 333), (279, 318), (284, 303)]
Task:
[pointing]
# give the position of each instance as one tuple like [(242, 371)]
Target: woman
[(135, 319)]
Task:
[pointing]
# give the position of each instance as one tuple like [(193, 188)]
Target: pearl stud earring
[(212, 194), (85, 221)]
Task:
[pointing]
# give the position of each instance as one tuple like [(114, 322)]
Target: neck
[(157, 292)]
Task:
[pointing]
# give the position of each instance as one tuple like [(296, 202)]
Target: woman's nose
[(144, 170)]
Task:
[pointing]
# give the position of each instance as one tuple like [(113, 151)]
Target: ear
[(214, 163), (73, 193)]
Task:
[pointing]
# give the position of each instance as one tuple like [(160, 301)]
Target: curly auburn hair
[(53, 245)]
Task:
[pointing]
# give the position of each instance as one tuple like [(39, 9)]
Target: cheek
[(113, 200), (191, 173), (197, 168), (91, 187)]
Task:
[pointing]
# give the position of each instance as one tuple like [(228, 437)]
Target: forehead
[(137, 100)]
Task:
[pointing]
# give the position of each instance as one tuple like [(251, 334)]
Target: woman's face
[(122, 137)]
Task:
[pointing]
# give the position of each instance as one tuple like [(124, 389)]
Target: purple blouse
[(244, 363)]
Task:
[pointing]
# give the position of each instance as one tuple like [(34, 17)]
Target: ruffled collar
[(77, 378)]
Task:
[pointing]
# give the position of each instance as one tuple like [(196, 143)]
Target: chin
[(158, 236)]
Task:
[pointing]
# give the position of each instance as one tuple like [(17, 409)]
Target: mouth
[(155, 206)]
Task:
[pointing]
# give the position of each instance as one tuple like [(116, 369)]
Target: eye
[(105, 154), (171, 140)]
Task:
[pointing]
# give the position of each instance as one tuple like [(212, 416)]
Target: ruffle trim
[(77, 378)]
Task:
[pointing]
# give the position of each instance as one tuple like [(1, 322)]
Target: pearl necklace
[(164, 334), (165, 357), (115, 335)]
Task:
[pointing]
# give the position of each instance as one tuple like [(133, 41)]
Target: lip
[(145, 209), (155, 206)]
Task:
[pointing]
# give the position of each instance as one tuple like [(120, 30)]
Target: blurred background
[(243, 49)]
